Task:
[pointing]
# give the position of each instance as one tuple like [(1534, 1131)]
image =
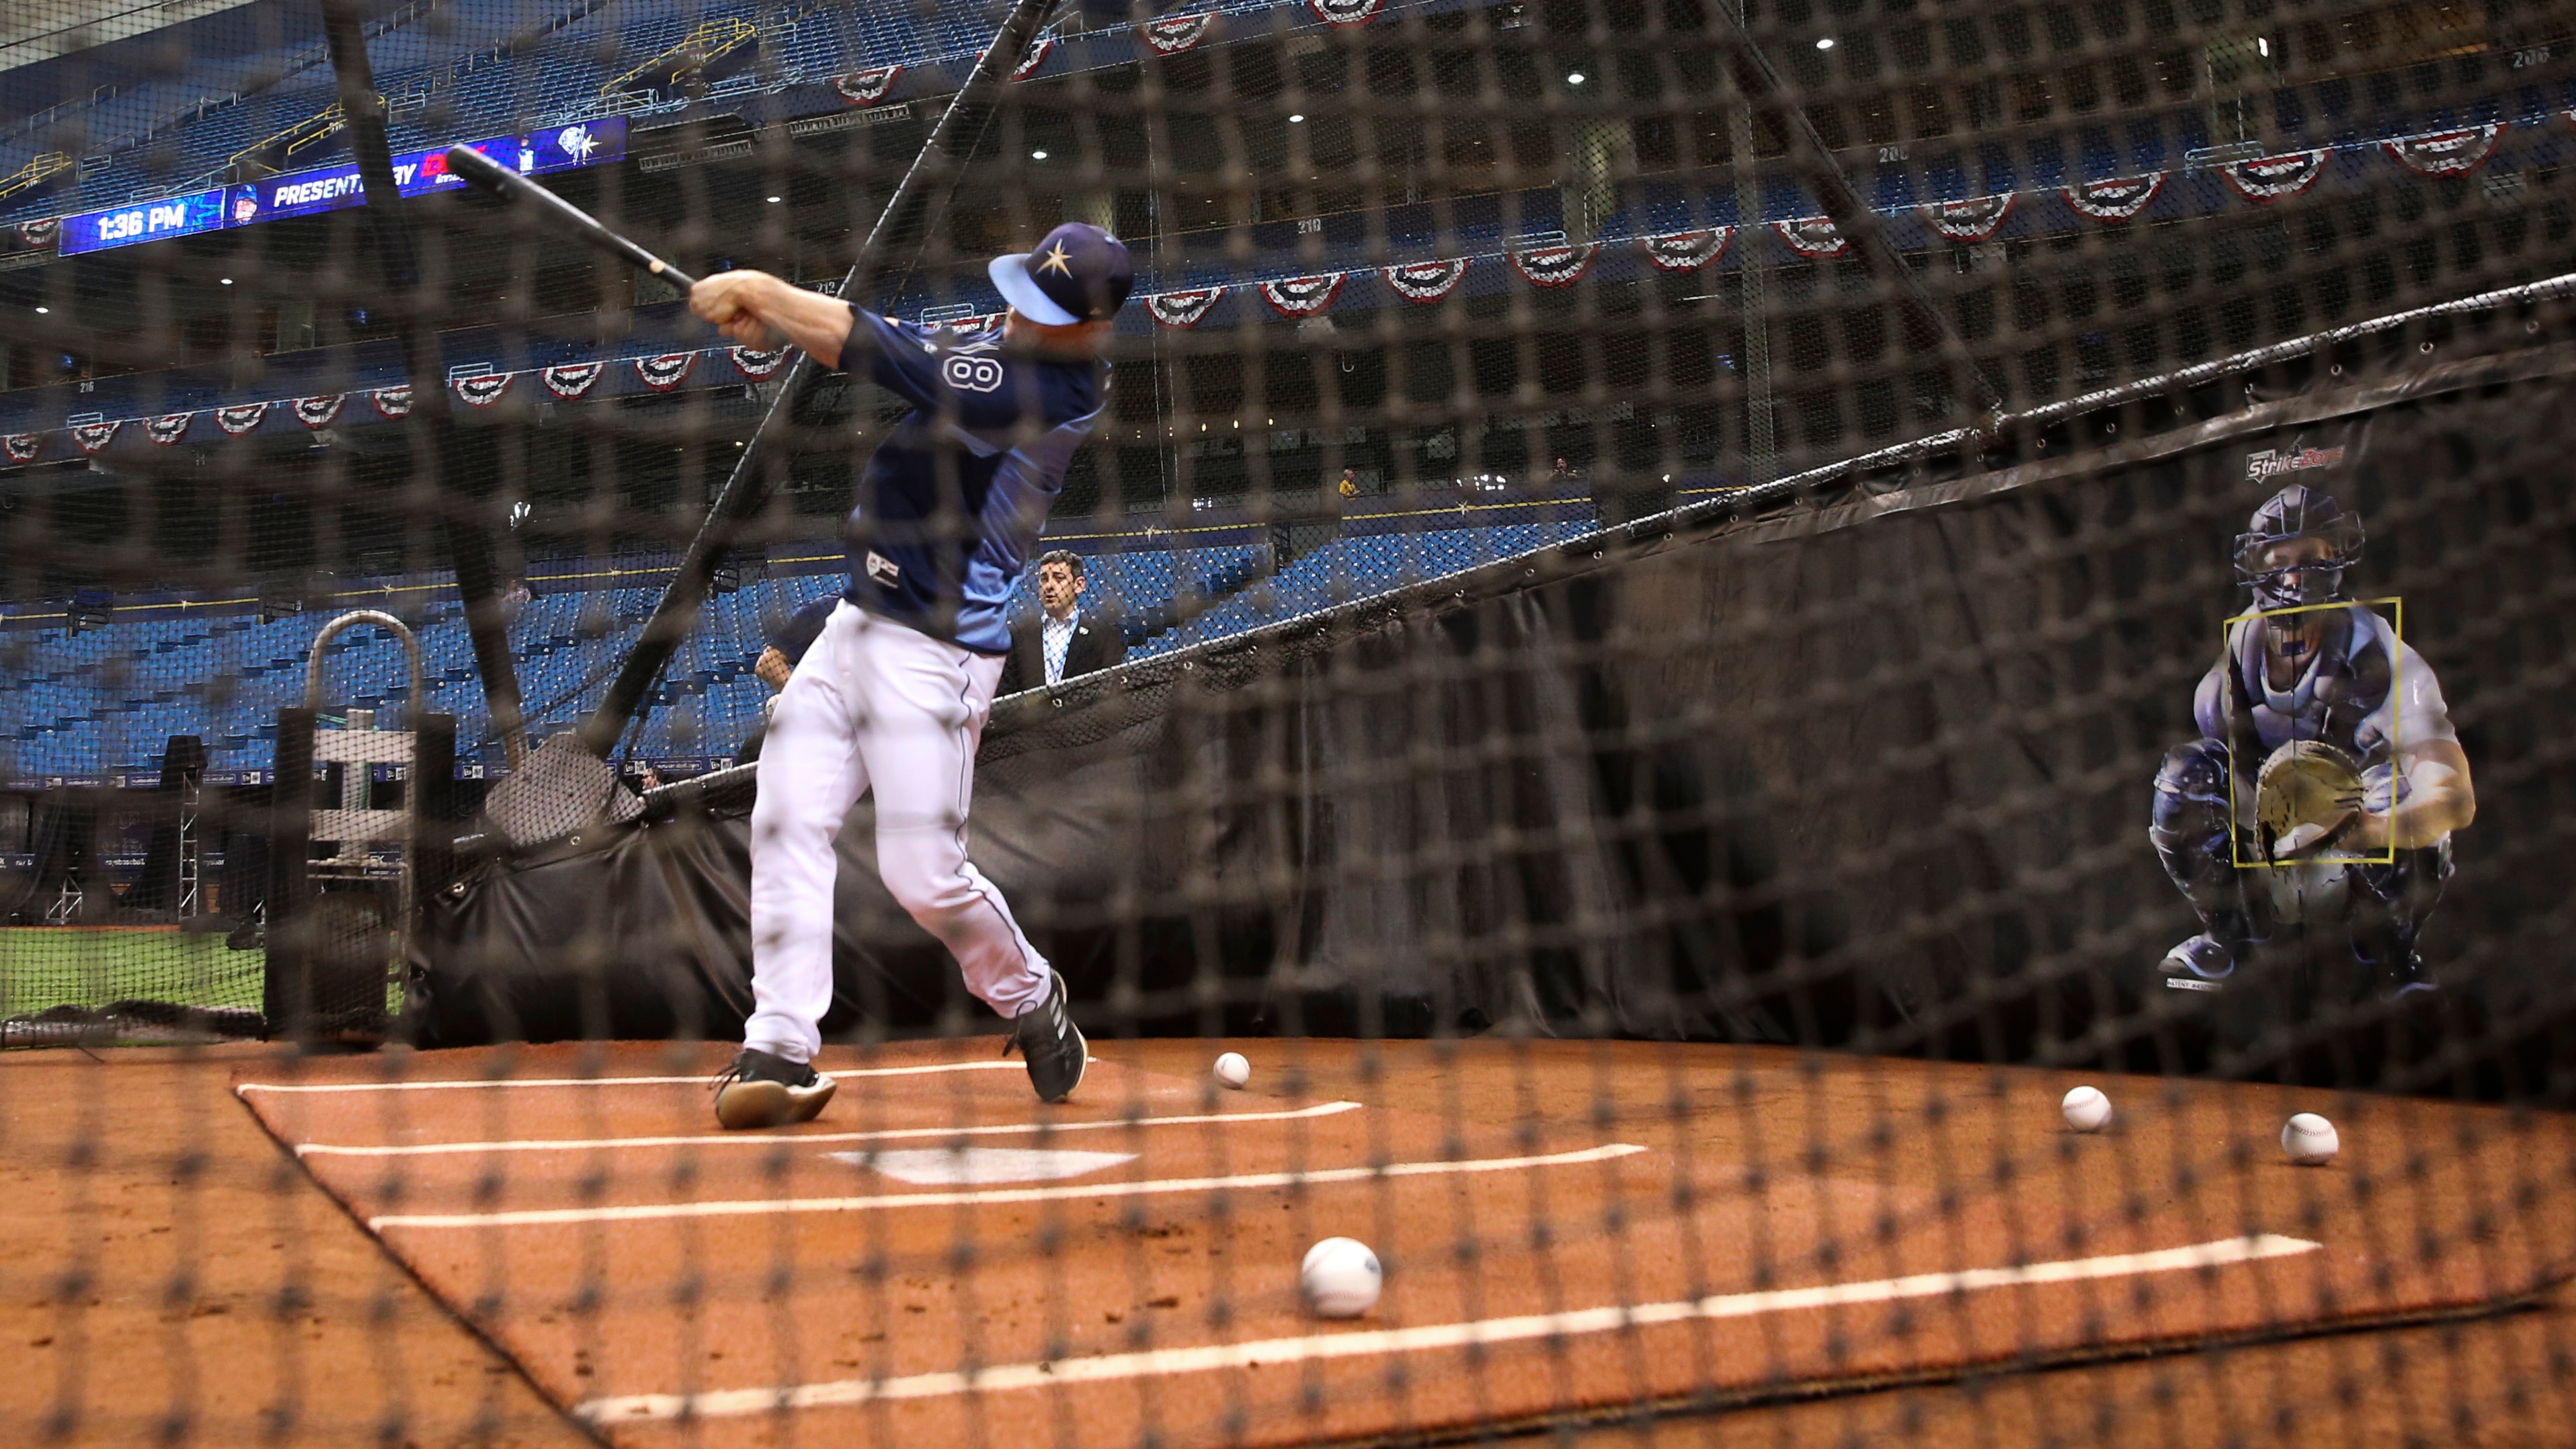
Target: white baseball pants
[(874, 705)]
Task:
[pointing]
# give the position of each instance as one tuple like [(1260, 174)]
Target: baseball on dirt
[(2086, 1109), (1233, 1070), (1341, 1278), (2309, 1140)]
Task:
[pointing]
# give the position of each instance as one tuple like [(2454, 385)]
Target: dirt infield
[(1605, 1224)]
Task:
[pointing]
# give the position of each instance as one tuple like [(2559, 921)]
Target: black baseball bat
[(501, 181)]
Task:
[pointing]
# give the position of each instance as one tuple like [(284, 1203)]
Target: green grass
[(43, 966)]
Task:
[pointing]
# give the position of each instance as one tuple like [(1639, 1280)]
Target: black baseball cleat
[(2199, 964), (763, 1089), (1051, 1043)]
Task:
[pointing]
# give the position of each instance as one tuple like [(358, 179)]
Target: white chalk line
[(1105, 1368), (485, 1083), (649, 1212), (754, 1139)]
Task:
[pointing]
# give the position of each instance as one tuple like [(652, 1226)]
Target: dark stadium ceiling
[(40, 30)]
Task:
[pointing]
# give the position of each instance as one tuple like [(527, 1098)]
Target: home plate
[(971, 1166)]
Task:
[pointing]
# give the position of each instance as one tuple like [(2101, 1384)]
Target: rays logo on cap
[(1076, 273)]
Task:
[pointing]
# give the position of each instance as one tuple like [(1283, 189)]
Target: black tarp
[(1872, 773)]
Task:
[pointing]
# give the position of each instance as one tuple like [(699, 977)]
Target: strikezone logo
[(2117, 199), (484, 388), (667, 371), (238, 420), (1182, 309), (1972, 220), (571, 380), (2267, 179), (93, 436), (393, 402), (2296, 458), (1814, 237), (1347, 12), (756, 364), (1425, 282), (317, 412), (866, 87), (1686, 251), (23, 447), (168, 428), (2446, 153), (1557, 266), (1302, 296), (1172, 34)]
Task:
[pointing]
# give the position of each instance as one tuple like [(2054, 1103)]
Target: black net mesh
[(1660, 584)]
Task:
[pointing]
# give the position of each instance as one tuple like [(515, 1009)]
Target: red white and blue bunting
[(570, 380), (2446, 153), (667, 371), (2267, 179), (317, 412), (866, 87), (2117, 199), (393, 402), (482, 389), (1182, 309), (91, 437), (168, 428), (241, 418), (1813, 237), (1302, 296), (41, 233), (1172, 34), (755, 364), (1562, 265), (1030, 62), (23, 447), (1425, 282), (1347, 12), (1972, 220), (1686, 251)]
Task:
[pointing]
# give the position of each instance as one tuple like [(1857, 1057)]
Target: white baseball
[(2309, 1140), (2086, 1109), (1233, 1070), (1341, 1278)]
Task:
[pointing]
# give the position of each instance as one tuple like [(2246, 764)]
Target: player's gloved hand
[(2307, 793)]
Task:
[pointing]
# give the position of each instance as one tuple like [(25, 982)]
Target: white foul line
[(1276, 1351), (751, 1139), (1002, 1065), (646, 1212)]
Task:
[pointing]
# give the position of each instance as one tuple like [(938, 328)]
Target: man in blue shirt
[(893, 694)]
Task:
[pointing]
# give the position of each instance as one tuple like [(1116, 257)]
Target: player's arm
[(758, 310), (772, 668), (2438, 799)]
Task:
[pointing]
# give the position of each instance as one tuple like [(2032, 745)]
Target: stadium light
[(1825, 43), (1293, 120), (41, 311), (1037, 155), (227, 281), (773, 200), (1574, 78)]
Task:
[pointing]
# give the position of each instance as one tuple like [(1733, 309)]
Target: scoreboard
[(302, 193)]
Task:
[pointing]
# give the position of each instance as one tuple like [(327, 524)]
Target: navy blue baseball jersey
[(950, 507), (802, 628)]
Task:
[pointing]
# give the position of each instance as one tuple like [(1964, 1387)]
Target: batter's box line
[(1273, 1352), (489, 1083), (650, 1212), (742, 1139)]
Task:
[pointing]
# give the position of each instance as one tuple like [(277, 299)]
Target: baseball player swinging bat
[(892, 696)]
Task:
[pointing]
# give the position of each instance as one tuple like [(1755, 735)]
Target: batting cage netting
[(1841, 722)]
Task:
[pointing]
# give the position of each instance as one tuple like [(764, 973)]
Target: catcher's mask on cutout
[(2297, 512)]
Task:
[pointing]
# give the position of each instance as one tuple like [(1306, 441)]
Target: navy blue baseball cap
[(1077, 273)]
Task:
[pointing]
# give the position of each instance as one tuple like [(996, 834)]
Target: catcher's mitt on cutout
[(2307, 793)]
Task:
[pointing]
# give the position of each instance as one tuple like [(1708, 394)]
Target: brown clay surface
[(1654, 1175)]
